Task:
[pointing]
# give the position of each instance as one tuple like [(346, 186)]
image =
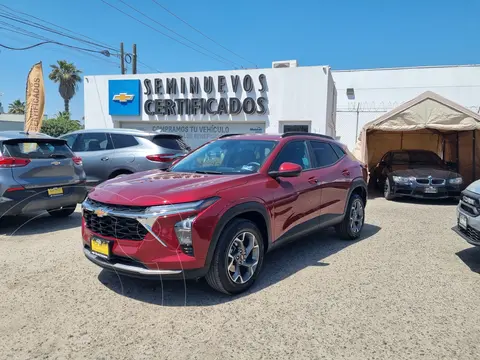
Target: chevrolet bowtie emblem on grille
[(123, 97), (100, 212), (55, 162)]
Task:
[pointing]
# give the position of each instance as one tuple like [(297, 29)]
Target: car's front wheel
[(352, 224), (238, 258), (387, 189), (63, 211)]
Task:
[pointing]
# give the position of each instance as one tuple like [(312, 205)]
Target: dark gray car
[(107, 153), (38, 172)]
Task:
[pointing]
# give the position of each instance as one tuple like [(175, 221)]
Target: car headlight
[(170, 209), (456, 181), (183, 230), (403, 180)]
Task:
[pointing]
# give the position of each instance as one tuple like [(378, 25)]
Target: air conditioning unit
[(284, 64)]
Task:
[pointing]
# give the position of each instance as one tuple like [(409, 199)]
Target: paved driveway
[(409, 289)]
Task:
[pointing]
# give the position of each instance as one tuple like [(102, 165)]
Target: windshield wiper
[(208, 172)]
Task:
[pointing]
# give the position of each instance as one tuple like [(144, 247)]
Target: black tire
[(387, 190), (344, 230), (63, 211), (218, 276)]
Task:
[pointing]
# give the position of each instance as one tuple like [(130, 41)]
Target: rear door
[(334, 175), (96, 151), (43, 163)]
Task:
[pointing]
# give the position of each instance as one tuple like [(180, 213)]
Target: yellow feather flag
[(35, 99)]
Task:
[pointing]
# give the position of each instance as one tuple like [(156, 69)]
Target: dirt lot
[(409, 289)]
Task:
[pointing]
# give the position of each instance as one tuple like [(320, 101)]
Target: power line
[(160, 32), (209, 38), (183, 37), (105, 52)]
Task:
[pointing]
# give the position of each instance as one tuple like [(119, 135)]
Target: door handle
[(346, 172), (313, 181), (105, 158)]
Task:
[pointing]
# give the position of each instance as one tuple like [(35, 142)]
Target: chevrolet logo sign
[(100, 212), (123, 97)]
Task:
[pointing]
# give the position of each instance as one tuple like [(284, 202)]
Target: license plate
[(431, 190), (462, 221), (100, 247), (55, 191)]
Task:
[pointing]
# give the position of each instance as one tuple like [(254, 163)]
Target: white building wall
[(380, 90), (297, 95)]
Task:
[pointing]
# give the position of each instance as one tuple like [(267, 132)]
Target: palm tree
[(68, 77), (16, 107)]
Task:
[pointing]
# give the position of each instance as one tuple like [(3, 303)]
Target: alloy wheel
[(242, 258), (386, 188), (356, 216)]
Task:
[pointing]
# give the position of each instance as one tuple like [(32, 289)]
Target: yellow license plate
[(100, 247), (55, 191)]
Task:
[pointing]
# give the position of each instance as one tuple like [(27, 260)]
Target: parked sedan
[(109, 153), (38, 172), (416, 173)]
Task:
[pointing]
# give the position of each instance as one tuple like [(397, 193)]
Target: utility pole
[(134, 60), (122, 58)]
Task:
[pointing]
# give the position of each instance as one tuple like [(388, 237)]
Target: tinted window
[(295, 152), (92, 142), (227, 157), (123, 141), (170, 142), (415, 158), (338, 150), (323, 153), (36, 149)]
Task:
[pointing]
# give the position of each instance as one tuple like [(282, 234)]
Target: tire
[(387, 190), (345, 230), (63, 211), (118, 173), (220, 276)]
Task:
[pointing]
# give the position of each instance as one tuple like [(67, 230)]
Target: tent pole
[(401, 141), (474, 138), (456, 161), (358, 115)]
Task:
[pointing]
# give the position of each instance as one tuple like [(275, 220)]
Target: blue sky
[(343, 34)]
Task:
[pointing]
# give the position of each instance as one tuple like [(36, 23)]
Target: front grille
[(423, 181), (431, 181), (438, 181), (471, 233), (467, 209), (114, 207), (114, 226)]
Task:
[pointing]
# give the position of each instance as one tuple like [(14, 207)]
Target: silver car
[(38, 172), (468, 211), (108, 153)]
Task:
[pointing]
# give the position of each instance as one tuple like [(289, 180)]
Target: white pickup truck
[(468, 214)]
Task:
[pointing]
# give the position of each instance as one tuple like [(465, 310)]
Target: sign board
[(197, 133)]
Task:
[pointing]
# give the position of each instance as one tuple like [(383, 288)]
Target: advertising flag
[(35, 99)]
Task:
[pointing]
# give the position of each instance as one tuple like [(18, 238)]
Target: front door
[(96, 151), (294, 202)]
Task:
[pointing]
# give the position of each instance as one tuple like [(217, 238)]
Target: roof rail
[(294, 133), (227, 135)]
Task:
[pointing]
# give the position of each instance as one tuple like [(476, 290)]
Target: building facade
[(201, 106), (14, 122), (364, 95)]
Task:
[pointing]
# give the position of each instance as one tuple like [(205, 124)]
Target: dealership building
[(203, 105)]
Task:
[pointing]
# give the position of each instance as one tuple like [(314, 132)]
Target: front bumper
[(469, 231), (421, 192)]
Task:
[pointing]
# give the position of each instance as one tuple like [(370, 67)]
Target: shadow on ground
[(471, 258), (35, 224), (279, 265)]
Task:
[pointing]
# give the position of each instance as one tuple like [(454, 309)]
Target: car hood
[(426, 172), (474, 187), (157, 187)]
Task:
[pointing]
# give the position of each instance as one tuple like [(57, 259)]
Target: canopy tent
[(427, 122)]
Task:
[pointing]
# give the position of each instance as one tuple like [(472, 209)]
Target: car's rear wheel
[(352, 224), (238, 258), (387, 190), (63, 211)]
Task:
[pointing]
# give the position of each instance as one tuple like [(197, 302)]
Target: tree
[(60, 125), (16, 107), (68, 77)]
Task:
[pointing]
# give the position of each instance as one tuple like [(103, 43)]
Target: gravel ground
[(408, 290)]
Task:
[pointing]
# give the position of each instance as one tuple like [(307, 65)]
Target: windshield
[(227, 157), (420, 158), (36, 149)]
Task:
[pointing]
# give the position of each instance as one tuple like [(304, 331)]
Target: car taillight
[(9, 162), (161, 157), (77, 160)]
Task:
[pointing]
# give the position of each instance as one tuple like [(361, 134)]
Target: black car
[(415, 173)]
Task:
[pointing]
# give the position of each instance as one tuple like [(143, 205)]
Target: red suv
[(219, 210)]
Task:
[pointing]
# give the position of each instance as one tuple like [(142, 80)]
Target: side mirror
[(287, 169)]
